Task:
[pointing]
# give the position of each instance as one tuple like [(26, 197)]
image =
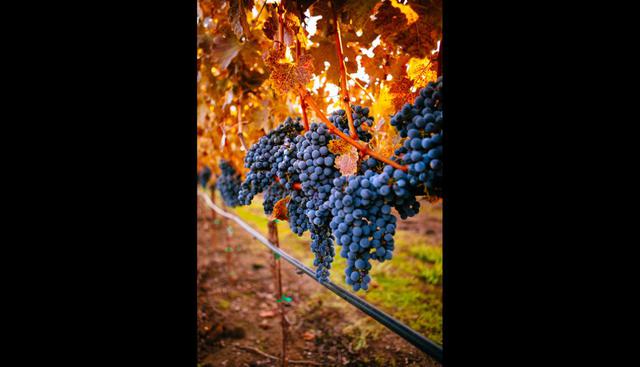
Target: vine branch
[(303, 105), (307, 100), (361, 147), (346, 99), (240, 134)]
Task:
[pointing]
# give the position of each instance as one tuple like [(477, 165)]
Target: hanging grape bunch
[(361, 121), (228, 184), (354, 210), (315, 170), (204, 176), (264, 157), (421, 124)]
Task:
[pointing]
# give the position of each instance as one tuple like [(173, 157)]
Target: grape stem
[(240, 134), (346, 99), (303, 105), (361, 147), (281, 23)]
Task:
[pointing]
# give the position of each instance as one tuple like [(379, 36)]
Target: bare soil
[(238, 315)]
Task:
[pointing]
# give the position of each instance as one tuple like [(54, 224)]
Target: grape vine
[(228, 184), (354, 211), (347, 176)]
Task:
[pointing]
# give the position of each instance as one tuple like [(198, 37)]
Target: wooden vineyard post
[(273, 238), (227, 246), (212, 235)]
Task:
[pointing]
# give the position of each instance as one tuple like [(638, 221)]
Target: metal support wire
[(427, 346)]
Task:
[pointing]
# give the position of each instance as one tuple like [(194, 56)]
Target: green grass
[(408, 287), (224, 304)]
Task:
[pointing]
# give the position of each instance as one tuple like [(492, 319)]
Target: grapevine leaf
[(224, 48), (270, 27), (398, 25), (287, 75), (298, 7), (383, 108), (356, 14), (280, 209), (325, 51), (389, 20), (402, 94), (238, 17), (324, 8), (408, 12), (339, 146), (420, 71), (347, 163), (291, 28)]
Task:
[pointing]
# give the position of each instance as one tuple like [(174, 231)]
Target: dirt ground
[(238, 319)]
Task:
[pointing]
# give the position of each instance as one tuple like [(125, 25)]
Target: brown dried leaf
[(402, 94), (285, 75), (348, 163), (267, 313), (270, 27), (308, 335), (298, 7), (291, 28), (280, 209), (398, 25)]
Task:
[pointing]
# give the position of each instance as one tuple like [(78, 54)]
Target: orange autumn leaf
[(339, 146), (421, 71), (280, 209)]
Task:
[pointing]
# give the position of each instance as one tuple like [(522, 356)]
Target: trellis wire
[(427, 346)]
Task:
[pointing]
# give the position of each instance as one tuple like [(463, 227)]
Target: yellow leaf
[(339, 146), (411, 15), (420, 71), (383, 108)]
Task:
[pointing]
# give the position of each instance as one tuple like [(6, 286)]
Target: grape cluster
[(362, 224), (370, 164), (264, 157), (204, 176), (421, 123), (228, 184), (298, 221), (353, 211), (360, 118), (314, 167)]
